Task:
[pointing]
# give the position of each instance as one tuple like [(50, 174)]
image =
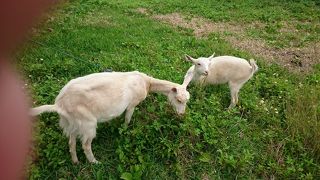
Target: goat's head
[(201, 64), (178, 97)]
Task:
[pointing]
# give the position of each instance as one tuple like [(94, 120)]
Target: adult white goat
[(100, 97), (219, 70)]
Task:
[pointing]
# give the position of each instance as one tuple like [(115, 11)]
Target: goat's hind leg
[(88, 134), (234, 92), (72, 147), (72, 133)]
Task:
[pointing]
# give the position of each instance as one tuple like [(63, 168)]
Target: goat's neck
[(162, 86), (198, 78)]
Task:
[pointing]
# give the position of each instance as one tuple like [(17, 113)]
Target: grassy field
[(273, 133)]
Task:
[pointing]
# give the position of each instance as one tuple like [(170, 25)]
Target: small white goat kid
[(100, 97), (219, 70)]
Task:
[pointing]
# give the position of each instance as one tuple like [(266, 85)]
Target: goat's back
[(102, 95), (228, 68)]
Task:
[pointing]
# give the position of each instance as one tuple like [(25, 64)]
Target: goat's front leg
[(129, 113)]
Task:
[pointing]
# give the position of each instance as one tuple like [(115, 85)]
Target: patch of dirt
[(96, 19), (295, 59), (142, 11), (201, 26), (205, 176), (288, 28)]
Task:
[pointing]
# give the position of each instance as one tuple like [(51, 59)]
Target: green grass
[(285, 23), (261, 138)]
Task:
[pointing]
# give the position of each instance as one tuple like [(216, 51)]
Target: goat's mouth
[(180, 115), (205, 74)]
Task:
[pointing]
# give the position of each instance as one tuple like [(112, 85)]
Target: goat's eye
[(179, 100), (199, 64)]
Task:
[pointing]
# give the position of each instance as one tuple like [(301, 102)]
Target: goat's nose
[(206, 72)]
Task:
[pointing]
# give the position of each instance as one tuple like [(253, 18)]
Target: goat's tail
[(41, 109), (253, 65)]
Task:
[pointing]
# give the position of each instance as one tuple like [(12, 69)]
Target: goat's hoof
[(76, 162), (231, 107), (95, 162)]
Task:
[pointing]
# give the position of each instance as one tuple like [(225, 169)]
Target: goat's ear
[(189, 58), (174, 89), (211, 57)]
